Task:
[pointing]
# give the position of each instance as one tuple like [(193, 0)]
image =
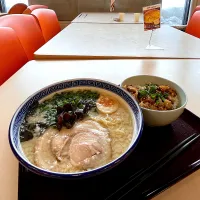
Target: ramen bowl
[(71, 85), (157, 117)]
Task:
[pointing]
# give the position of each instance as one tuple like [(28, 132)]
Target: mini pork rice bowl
[(154, 96), (76, 131)]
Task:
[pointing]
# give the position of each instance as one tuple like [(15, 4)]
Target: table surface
[(106, 18), (2, 14), (87, 40), (37, 74)]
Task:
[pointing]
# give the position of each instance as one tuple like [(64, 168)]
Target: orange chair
[(31, 8), (27, 30), (48, 22), (18, 8), (193, 27), (12, 54)]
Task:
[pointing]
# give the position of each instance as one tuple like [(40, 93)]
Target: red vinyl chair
[(193, 27), (12, 54), (27, 30), (48, 22), (18, 8), (31, 8)]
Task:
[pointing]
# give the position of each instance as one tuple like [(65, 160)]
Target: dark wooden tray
[(155, 142)]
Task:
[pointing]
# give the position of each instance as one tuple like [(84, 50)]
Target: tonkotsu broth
[(92, 141)]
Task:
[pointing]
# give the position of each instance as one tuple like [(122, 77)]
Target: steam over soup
[(76, 131)]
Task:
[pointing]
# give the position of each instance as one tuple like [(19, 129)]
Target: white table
[(106, 18), (3, 14), (37, 74), (94, 41)]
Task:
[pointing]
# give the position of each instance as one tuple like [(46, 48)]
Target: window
[(175, 12), (7, 4)]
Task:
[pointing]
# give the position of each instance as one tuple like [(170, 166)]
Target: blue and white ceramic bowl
[(69, 85)]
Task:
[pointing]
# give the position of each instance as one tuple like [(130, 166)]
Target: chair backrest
[(18, 8), (48, 22), (193, 27), (12, 54), (31, 8), (27, 30), (196, 9)]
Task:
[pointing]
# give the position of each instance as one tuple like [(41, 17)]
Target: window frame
[(187, 11), (2, 6)]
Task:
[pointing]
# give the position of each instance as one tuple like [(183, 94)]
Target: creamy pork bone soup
[(76, 131)]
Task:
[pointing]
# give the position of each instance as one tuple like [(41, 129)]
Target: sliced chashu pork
[(92, 126), (88, 150), (61, 141), (49, 146), (59, 145), (87, 144), (90, 147), (44, 157)]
